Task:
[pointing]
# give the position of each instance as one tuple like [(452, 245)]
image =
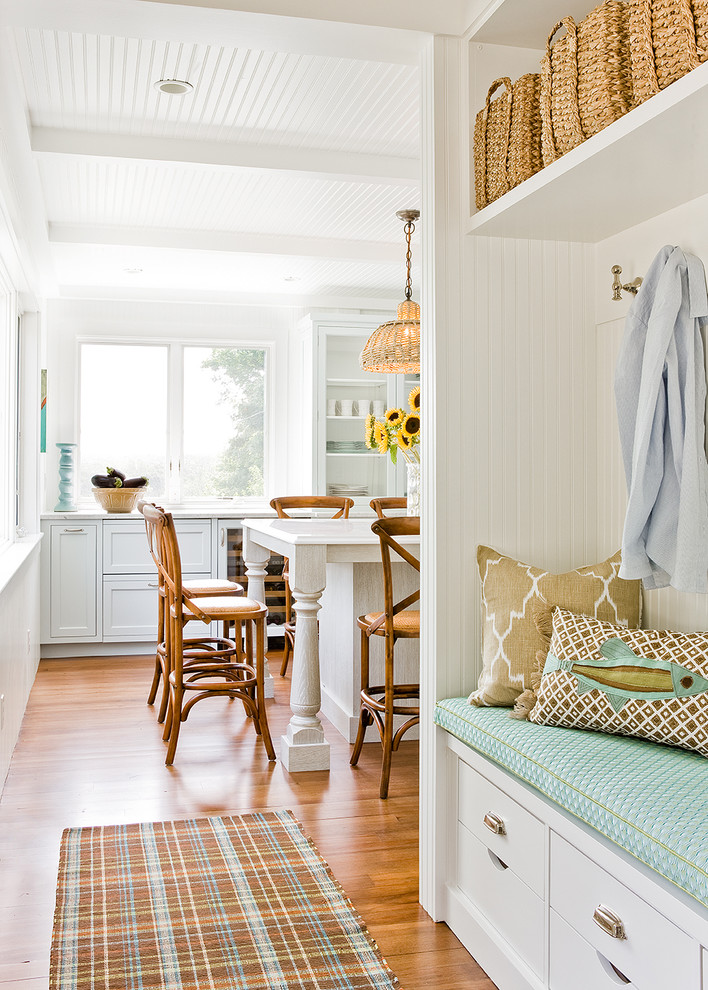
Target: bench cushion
[(651, 800)]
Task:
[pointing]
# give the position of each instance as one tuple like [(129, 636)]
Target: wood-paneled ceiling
[(279, 175)]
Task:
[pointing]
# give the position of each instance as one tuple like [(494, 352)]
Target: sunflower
[(411, 425), (404, 442), (369, 431), (394, 416), (381, 437), (414, 399)]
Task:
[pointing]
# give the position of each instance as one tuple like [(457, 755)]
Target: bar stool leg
[(365, 718)]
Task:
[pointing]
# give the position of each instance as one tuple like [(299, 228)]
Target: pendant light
[(394, 348)]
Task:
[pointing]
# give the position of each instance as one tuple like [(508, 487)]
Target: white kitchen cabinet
[(343, 396), (100, 583), (72, 582)]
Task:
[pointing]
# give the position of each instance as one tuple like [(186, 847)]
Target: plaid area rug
[(243, 902)]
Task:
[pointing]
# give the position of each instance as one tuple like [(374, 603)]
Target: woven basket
[(507, 138), (586, 78), (491, 145), (668, 38)]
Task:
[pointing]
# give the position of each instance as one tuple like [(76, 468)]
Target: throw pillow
[(638, 682), (510, 639)]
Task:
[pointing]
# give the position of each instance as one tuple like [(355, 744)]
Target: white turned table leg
[(304, 746), (256, 558)]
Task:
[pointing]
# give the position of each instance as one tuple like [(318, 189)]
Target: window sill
[(14, 556)]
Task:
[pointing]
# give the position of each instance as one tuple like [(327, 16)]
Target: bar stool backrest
[(389, 531), (338, 503)]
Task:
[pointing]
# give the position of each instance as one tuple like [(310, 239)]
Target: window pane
[(224, 418), (123, 413)]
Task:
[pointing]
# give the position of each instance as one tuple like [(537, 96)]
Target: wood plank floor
[(90, 753)]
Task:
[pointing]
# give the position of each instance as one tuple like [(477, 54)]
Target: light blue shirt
[(660, 390)]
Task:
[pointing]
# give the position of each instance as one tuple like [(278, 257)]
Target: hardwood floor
[(90, 753)]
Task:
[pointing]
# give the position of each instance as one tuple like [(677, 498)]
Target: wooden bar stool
[(306, 504), (203, 588), (229, 671), (379, 703)]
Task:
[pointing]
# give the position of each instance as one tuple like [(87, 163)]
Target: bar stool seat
[(206, 587), (405, 624)]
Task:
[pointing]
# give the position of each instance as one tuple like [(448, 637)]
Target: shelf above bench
[(650, 161)]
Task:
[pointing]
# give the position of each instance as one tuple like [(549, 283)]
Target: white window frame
[(9, 371), (174, 446)]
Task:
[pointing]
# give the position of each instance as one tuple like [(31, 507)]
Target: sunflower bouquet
[(398, 430)]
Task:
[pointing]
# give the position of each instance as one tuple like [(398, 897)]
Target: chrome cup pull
[(494, 823), (609, 922)]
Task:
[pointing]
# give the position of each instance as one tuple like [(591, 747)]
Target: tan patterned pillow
[(628, 682), (510, 639)]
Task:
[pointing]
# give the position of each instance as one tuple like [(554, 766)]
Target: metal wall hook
[(617, 285)]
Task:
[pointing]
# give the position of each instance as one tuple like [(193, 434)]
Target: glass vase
[(413, 471), (67, 481)]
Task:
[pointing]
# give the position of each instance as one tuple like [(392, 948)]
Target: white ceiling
[(280, 175)]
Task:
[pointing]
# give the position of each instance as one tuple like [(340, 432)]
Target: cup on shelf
[(346, 407), (331, 407), (363, 407), (378, 408)]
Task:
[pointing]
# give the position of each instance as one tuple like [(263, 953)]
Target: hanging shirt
[(660, 390)]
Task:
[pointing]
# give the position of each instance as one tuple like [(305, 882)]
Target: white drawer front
[(504, 900), (576, 965), (522, 843), (655, 954), (125, 549), (130, 610)]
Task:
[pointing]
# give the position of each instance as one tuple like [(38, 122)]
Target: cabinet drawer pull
[(494, 823), (609, 922), (153, 584), (73, 530)]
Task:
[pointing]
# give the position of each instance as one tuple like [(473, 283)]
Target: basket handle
[(502, 81), (550, 151)]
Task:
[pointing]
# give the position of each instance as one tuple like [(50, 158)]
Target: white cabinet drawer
[(576, 965), (130, 610), (654, 955), (521, 845), (125, 549), (502, 898)]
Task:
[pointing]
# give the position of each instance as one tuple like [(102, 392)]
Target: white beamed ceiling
[(279, 164)]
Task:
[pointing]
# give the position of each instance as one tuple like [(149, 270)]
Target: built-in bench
[(578, 860)]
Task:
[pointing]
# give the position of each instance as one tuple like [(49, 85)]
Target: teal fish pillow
[(630, 682)]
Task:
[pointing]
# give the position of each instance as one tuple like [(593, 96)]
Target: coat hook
[(617, 285)]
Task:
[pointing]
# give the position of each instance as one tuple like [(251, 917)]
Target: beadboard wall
[(634, 250), (528, 429)]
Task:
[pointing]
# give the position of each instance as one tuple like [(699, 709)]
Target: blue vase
[(67, 470)]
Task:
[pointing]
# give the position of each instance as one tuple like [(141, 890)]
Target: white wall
[(19, 651), (71, 319), (634, 250)]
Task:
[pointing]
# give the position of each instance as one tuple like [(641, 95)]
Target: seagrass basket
[(507, 138), (668, 38), (586, 78)]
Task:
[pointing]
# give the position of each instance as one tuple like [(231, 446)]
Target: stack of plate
[(353, 491), (346, 446)]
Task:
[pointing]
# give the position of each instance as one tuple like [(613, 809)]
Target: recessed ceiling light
[(291, 278), (174, 87), (132, 271)]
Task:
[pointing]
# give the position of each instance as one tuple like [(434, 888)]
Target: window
[(190, 418), (8, 410)]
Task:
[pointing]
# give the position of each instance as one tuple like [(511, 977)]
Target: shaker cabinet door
[(73, 593)]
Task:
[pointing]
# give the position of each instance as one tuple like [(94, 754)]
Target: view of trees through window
[(213, 437)]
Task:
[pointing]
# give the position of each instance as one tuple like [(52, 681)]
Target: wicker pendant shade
[(394, 348)]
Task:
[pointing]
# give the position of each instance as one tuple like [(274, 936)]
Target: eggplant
[(106, 481), (111, 472), (135, 482)]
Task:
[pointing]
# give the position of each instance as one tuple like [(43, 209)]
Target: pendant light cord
[(409, 228)]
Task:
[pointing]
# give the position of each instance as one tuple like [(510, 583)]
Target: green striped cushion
[(651, 800)]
